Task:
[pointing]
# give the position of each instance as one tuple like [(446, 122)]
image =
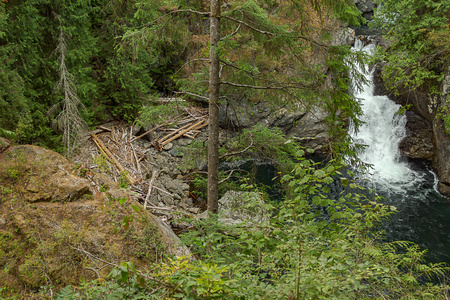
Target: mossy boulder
[(57, 228), (236, 207)]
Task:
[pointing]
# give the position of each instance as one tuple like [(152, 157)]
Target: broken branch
[(150, 186)]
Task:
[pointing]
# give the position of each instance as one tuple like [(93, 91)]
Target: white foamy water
[(382, 131)]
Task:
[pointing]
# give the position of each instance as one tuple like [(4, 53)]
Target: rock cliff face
[(441, 160), (298, 121), (57, 227), (427, 137), (419, 140)]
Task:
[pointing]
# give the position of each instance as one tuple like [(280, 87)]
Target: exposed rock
[(366, 7), (55, 224), (168, 146), (299, 121), (446, 86), (419, 142), (422, 104), (4, 145), (42, 175), (344, 36), (237, 207), (441, 160)]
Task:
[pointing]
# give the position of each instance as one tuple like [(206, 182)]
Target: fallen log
[(181, 133), (108, 154), (173, 133), (147, 132)]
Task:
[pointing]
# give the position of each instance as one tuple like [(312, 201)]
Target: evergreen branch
[(237, 68), (250, 26), (274, 34)]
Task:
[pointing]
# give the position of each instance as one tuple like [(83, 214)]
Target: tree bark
[(214, 89)]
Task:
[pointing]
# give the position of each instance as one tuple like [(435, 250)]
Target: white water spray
[(382, 131)]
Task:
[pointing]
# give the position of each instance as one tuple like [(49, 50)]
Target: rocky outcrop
[(422, 104), (441, 160), (366, 7), (56, 227), (344, 36), (307, 124), (419, 140), (43, 175)]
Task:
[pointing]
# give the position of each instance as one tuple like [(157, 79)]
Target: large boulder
[(237, 207), (42, 175), (56, 227), (344, 36)]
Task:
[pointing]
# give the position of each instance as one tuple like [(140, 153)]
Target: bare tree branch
[(192, 94), (274, 34), (272, 86), (239, 152), (231, 34), (191, 61)]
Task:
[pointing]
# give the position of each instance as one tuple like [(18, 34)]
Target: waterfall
[(423, 213), (382, 131)]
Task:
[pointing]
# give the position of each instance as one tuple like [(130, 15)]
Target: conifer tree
[(214, 90), (280, 52)]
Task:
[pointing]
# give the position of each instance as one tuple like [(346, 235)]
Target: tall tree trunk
[(214, 88)]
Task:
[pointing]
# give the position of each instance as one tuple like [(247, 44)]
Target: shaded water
[(410, 185)]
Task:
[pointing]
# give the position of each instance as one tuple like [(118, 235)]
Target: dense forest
[(68, 66)]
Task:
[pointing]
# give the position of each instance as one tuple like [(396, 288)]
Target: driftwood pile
[(118, 153)]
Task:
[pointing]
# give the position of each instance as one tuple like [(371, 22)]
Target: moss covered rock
[(57, 228)]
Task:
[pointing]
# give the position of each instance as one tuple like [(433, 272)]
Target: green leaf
[(319, 173)]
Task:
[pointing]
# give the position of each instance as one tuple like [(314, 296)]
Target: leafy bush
[(314, 247)]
